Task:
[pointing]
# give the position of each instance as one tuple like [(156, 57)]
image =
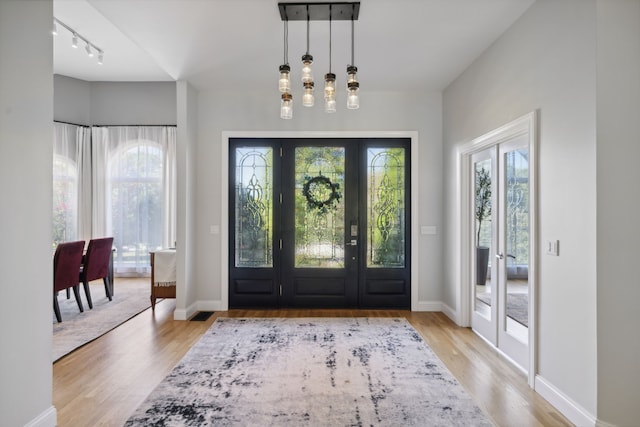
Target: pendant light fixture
[(307, 72), (319, 11), (330, 80), (353, 102), (284, 84)]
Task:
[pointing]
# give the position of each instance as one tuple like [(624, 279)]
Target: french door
[(319, 223), (501, 219)]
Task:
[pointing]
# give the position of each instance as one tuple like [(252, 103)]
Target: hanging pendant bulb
[(284, 84), (330, 79), (286, 106), (307, 72), (307, 59), (307, 98), (330, 93), (353, 103)]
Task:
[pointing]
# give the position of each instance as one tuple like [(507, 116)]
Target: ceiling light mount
[(336, 11)]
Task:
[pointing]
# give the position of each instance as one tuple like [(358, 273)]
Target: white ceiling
[(231, 45)]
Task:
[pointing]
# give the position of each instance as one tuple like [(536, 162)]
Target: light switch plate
[(428, 229), (553, 247)]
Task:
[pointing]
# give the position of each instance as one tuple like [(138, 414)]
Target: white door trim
[(525, 125), (224, 191)]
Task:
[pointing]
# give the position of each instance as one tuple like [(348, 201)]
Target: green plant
[(483, 198)]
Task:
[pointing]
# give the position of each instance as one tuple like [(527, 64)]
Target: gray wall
[(218, 112), (26, 114), (577, 63), (114, 103), (618, 151)]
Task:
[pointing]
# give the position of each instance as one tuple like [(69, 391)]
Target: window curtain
[(134, 192), (71, 193)]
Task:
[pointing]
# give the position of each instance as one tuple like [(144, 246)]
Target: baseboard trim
[(427, 306), (451, 314), (574, 412), (49, 418), (184, 314)]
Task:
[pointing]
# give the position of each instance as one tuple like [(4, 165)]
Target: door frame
[(524, 125), (224, 194)]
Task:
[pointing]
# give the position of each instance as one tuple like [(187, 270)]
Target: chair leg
[(56, 307), (108, 290), (87, 293), (76, 292)]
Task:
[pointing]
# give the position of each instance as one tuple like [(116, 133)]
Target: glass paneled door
[(319, 223), (501, 289)]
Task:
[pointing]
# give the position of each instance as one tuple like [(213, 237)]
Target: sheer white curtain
[(134, 191), (71, 197)]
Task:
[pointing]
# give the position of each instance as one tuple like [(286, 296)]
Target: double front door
[(319, 223)]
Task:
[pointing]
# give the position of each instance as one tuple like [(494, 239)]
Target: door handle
[(500, 255), (353, 242)]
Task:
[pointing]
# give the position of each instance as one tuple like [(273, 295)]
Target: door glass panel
[(319, 207), (253, 207), (517, 238), (483, 237), (385, 208)]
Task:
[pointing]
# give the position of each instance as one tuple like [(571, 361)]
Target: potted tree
[(483, 212)]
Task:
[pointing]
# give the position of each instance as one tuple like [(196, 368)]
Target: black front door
[(319, 223)]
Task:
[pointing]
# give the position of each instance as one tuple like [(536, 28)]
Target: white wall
[(379, 111), (618, 150), (26, 133), (544, 62), (186, 292)]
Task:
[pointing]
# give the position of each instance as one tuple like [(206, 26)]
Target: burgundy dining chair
[(66, 264), (96, 266)]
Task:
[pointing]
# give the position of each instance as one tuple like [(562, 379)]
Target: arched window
[(65, 199), (136, 204)]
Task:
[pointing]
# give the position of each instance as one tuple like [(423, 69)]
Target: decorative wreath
[(321, 193)]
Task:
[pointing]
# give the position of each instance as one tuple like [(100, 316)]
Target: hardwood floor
[(103, 382)]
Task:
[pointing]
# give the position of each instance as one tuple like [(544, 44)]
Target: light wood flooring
[(103, 382)]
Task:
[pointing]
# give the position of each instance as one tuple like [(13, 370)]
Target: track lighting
[(339, 11), (90, 48)]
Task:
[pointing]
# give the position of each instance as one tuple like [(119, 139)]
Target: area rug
[(517, 306), (77, 329), (309, 372)]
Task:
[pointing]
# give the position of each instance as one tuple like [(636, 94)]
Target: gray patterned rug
[(130, 298), (309, 372)]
